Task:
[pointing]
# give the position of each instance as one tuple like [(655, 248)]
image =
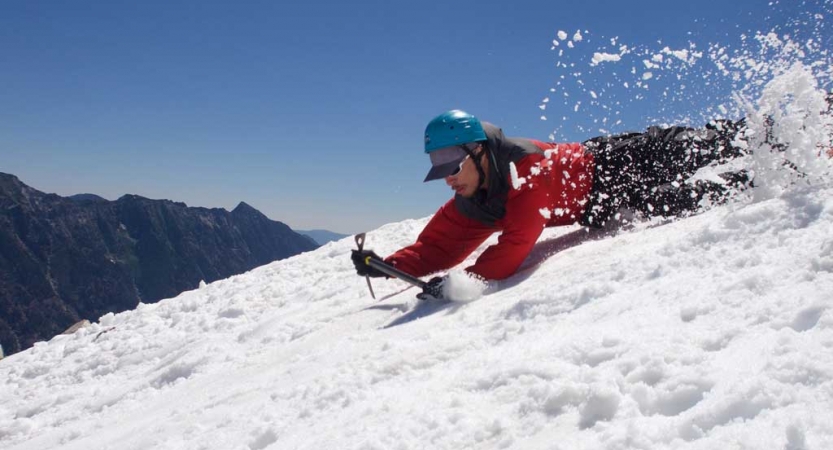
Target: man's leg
[(647, 171), (680, 199), (613, 166)]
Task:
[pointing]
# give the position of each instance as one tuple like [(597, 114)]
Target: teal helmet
[(452, 128), (446, 137)]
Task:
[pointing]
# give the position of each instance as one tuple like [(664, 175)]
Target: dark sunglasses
[(459, 167), (469, 149)]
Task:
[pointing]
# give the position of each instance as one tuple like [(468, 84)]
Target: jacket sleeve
[(522, 226), (445, 242)]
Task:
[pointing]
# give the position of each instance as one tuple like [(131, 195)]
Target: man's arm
[(445, 242), (523, 223)]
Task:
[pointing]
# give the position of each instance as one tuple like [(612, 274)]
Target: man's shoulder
[(528, 162)]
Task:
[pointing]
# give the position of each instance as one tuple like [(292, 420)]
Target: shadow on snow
[(423, 309)]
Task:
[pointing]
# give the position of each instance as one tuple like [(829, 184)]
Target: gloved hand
[(433, 290), (362, 268)]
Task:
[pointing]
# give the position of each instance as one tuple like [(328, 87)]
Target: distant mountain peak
[(8, 180), (8, 176), (127, 197), (322, 237), (245, 209), (87, 198)]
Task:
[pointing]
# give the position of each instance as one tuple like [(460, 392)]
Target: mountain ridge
[(69, 258)]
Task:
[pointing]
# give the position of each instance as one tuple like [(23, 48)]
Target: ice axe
[(386, 269)]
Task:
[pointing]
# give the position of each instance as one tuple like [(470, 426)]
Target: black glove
[(433, 290), (362, 268)]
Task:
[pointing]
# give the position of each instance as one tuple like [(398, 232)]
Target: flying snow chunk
[(604, 57), (517, 181), (578, 37), (679, 54), (562, 35), (462, 286), (771, 39), (647, 76)]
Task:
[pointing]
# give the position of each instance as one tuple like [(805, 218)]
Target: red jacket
[(546, 189)]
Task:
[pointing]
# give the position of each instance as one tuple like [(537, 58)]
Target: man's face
[(464, 182)]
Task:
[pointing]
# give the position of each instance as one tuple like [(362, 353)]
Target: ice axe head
[(360, 243)]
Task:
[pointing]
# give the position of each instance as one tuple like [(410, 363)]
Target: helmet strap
[(481, 174)]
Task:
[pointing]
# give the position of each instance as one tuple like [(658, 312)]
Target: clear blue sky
[(311, 111)]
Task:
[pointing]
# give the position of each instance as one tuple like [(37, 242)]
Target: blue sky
[(312, 112)]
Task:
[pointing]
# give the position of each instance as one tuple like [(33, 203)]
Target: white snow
[(798, 119), (464, 287), (604, 57), (517, 181), (710, 332)]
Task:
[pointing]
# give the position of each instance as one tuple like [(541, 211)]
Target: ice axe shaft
[(396, 273)]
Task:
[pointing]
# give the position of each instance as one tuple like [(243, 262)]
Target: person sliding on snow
[(520, 186)]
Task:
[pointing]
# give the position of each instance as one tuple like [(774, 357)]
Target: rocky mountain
[(63, 259)]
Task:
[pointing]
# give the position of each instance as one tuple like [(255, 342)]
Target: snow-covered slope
[(710, 332)]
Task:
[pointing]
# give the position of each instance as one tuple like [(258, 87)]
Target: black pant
[(647, 171)]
